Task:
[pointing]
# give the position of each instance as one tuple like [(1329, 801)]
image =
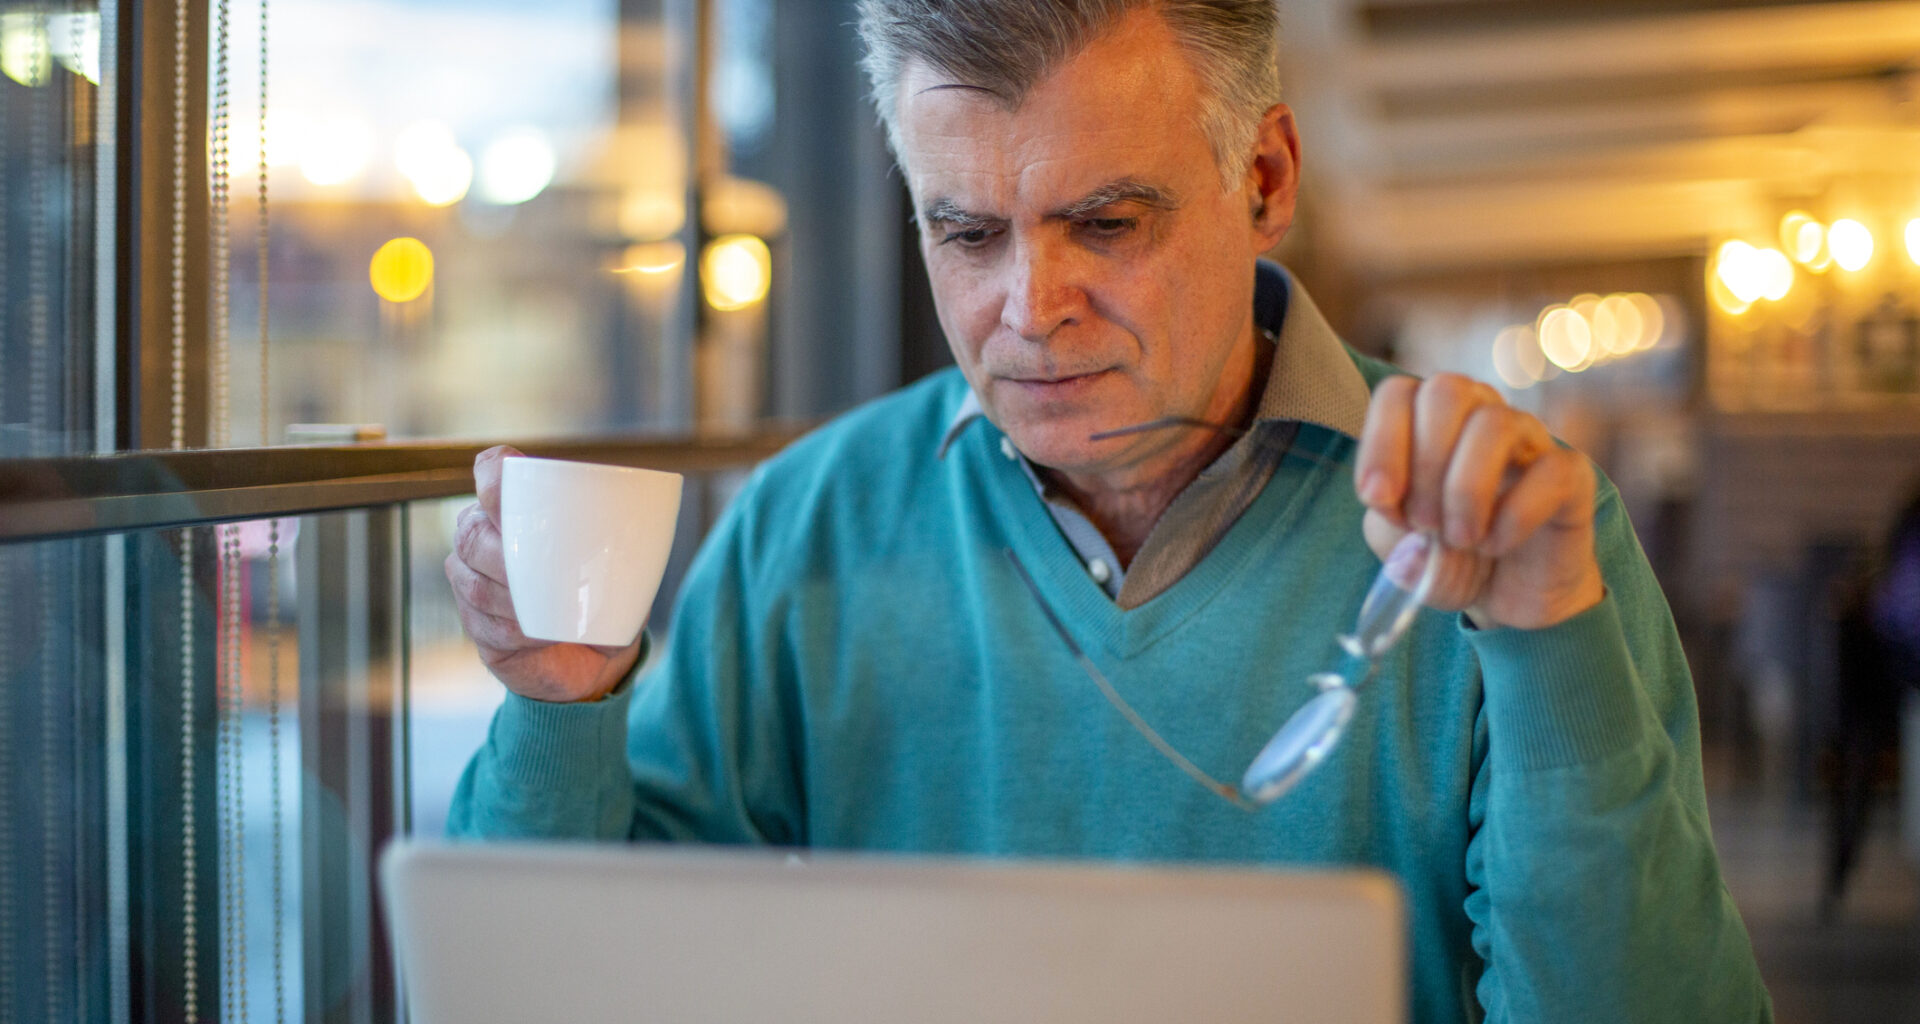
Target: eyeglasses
[(1310, 735)]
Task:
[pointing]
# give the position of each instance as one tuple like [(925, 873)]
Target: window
[(229, 664)]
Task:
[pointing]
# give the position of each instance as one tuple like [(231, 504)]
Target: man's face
[(1089, 269)]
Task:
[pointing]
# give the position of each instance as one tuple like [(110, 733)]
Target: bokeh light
[(287, 128), (516, 167), (1653, 320), (433, 162), (334, 151), (444, 179), (1723, 297), (1775, 272), (401, 270), (736, 271), (1565, 338), (1851, 244), (1624, 322), (1737, 266), (1507, 360), (1913, 240), (1805, 240)]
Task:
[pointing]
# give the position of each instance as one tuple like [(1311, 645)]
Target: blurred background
[(1686, 234)]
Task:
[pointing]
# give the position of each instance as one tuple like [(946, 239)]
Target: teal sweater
[(853, 664)]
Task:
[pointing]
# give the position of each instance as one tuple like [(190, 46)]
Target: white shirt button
[(1100, 571), (1007, 449)]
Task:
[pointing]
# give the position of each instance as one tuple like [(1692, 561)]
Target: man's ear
[(1274, 177)]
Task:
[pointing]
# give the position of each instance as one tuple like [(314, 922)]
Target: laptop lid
[(689, 935)]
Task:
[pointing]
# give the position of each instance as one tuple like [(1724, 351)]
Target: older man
[(855, 662)]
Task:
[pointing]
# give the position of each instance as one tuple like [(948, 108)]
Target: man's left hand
[(1513, 509)]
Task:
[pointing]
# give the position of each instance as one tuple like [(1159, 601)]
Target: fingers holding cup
[(488, 467)]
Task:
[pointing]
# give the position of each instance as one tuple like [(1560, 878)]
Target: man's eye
[(1107, 227), (969, 237)]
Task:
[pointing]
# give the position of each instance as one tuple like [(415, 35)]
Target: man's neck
[(1125, 511)]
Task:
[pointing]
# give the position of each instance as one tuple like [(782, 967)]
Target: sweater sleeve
[(1594, 889), (695, 748)]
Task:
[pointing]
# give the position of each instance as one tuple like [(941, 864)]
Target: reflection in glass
[(50, 196)]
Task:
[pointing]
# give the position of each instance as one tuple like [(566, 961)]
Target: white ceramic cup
[(585, 546)]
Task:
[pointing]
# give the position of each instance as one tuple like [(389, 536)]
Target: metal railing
[(50, 499)]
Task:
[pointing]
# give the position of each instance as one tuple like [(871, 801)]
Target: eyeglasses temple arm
[(1230, 793), (1169, 421)]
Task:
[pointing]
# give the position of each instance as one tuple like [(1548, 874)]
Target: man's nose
[(1043, 292)]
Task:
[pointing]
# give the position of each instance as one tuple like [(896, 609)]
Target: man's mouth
[(1048, 380)]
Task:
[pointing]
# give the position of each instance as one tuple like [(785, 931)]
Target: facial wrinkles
[(1014, 167)]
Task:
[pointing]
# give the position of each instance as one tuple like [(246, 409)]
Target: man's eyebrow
[(1121, 191), (958, 85), (945, 211)]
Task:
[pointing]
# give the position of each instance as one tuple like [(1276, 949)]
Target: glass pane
[(451, 697), (51, 199), (200, 754), (478, 237), (51, 831)]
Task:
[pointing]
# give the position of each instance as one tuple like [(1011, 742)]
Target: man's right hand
[(477, 568)]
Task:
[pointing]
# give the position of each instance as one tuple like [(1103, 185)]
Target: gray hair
[(1009, 46)]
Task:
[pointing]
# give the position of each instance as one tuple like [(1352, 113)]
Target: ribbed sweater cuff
[(543, 744), (1562, 695)]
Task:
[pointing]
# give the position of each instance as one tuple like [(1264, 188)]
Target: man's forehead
[(973, 148)]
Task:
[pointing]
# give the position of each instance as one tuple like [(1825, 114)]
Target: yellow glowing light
[(1851, 244), (1565, 338), (1913, 240), (1723, 297), (1790, 226), (26, 49), (335, 151), (1507, 361), (736, 271), (1585, 304), (516, 167), (1805, 240), (1775, 274), (1605, 322), (401, 270), (1627, 322), (1739, 267)]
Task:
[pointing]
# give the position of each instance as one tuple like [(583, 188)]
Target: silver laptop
[(692, 935)]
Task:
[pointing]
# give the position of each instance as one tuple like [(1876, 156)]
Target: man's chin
[(1059, 443)]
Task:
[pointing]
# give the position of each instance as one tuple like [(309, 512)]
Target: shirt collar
[(1312, 380)]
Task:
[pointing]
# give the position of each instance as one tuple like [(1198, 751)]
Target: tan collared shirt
[(1312, 379)]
